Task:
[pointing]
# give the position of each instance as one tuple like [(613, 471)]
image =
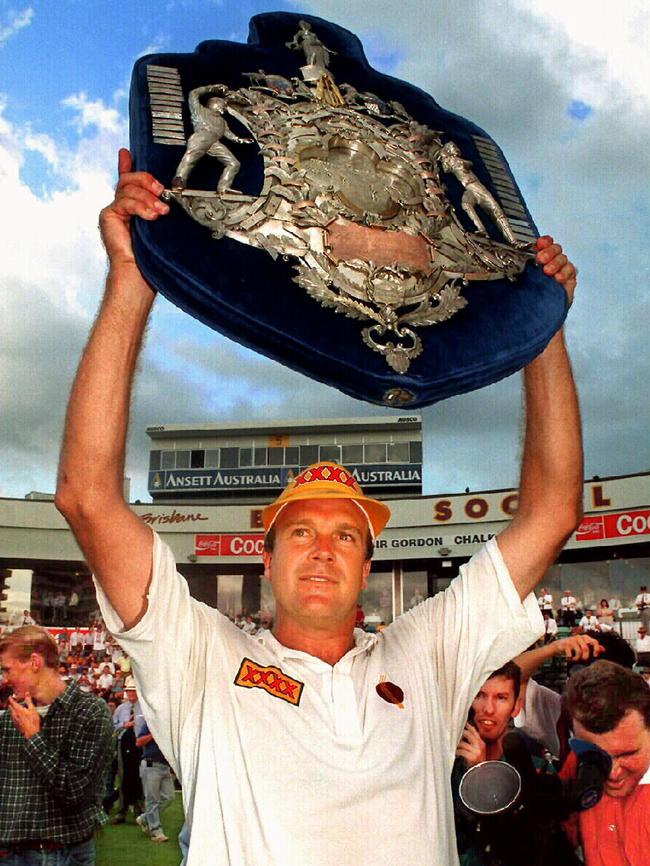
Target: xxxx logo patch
[(251, 675)]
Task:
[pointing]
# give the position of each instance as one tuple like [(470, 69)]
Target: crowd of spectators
[(91, 658), (253, 624), (573, 612)]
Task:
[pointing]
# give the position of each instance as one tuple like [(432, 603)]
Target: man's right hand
[(136, 194)]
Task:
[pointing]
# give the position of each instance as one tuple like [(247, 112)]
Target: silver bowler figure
[(209, 128), (475, 192)]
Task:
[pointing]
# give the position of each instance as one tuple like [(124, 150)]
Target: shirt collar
[(66, 698), (362, 641)]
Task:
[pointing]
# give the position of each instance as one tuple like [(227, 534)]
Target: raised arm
[(116, 544), (550, 490), (579, 647)]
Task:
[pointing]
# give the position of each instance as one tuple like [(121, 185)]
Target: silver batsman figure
[(209, 128)]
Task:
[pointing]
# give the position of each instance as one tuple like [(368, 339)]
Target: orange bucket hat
[(328, 480)]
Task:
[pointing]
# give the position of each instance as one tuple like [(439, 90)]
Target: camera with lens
[(517, 812)]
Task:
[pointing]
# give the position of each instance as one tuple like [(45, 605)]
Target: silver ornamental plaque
[(354, 193)]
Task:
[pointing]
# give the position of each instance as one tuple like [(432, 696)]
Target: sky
[(564, 88)]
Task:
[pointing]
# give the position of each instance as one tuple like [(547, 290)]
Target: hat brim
[(377, 512)]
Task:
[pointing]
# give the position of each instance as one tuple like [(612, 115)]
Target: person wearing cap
[(642, 646), (314, 743), (125, 718), (642, 602)]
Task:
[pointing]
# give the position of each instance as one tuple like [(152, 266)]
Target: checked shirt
[(51, 785)]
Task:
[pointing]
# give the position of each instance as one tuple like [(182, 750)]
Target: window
[(374, 453), (414, 587), (352, 454), (182, 459), (308, 454), (377, 599), (259, 456), (212, 458), (245, 456), (276, 456), (416, 452), (330, 452), (398, 452), (154, 460), (229, 594), (229, 458), (291, 456), (168, 459), (197, 459)]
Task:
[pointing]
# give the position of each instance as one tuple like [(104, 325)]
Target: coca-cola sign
[(623, 525), (240, 544)]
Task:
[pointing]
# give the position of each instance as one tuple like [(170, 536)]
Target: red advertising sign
[(628, 523), (243, 544), (591, 528), (207, 545)]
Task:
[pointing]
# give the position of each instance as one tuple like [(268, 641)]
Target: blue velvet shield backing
[(246, 295)]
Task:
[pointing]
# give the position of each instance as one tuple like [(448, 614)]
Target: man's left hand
[(25, 718), (555, 264)]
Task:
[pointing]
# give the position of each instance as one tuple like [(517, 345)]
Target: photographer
[(529, 831), (610, 707)]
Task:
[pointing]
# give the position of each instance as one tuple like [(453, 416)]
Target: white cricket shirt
[(288, 761)]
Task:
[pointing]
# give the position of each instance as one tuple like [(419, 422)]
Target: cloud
[(93, 113), (514, 68), (510, 69), (43, 144), (52, 274), (15, 22), (160, 42)]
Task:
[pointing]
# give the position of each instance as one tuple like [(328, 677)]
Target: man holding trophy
[(354, 758)]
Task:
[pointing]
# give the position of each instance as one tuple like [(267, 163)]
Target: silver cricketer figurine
[(209, 128), (475, 193), (316, 54)]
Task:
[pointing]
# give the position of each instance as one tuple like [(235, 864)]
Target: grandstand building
[(252, 463), (208, 484)]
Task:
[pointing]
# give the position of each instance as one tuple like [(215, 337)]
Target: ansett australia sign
[(259, 478), (270, 478)]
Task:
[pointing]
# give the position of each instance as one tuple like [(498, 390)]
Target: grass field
[(126, 845)]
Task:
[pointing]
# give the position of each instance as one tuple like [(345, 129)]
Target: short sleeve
[(171, 636), (472, 629)]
